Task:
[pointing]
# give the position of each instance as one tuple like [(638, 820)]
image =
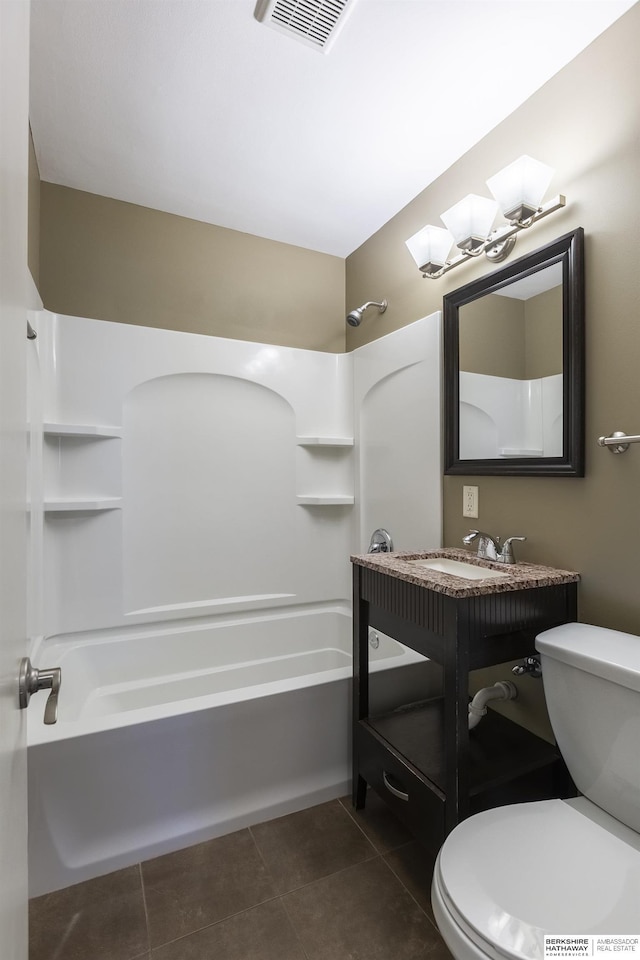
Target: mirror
[(514, 367)]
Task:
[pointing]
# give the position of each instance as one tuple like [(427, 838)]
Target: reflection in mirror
[(514, 367), (511, 370)]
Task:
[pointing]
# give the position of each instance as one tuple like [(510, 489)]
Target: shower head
[(355, 317)]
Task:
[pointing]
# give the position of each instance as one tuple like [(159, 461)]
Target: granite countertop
[(519, 576)]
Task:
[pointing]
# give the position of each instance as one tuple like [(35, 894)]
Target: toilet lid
[(515, 873)]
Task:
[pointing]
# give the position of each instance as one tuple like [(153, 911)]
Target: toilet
[(507, 877)]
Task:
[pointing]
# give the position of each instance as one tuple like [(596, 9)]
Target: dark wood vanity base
[(422, 758)]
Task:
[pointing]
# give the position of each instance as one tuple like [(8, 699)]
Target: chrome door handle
[(31, 680)]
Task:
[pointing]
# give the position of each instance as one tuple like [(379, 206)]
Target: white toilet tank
[(591, 681)]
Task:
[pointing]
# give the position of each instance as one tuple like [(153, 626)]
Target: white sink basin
[(458, 568)]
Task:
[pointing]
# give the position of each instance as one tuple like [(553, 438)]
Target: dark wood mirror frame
[(568, 251)]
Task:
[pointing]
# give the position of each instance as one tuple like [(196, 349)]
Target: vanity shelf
[(421, 758)]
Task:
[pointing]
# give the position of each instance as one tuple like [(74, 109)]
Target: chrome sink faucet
[(490, 548)]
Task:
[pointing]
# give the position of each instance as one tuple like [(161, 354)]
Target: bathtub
[(169, 736)]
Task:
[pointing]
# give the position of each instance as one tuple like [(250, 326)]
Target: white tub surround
[(196, 501), (186, 475), (501, 417)]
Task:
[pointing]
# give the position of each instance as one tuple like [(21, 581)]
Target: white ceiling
[(195, 108)]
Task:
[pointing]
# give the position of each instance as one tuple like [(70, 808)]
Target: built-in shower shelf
[(325, 465), (81, 431), (520, 452), (83, 505), (320, 501), (85, 467), (324, 441)]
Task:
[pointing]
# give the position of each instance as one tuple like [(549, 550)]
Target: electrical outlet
[(470, 502)]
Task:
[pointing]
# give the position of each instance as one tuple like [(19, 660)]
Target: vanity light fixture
[(469, 222), (518, 192)]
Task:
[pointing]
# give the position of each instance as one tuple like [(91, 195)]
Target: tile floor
[(323, 884)]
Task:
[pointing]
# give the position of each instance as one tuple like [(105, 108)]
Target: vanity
[(421, 758)]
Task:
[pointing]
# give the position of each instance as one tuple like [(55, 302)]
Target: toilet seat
[(510, 875)]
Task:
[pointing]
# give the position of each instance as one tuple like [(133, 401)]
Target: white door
[(14, 90)]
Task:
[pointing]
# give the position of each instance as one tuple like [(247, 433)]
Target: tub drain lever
[(31, 680)]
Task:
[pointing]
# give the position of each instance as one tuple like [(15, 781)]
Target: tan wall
[(110, 260), (543, 324), (506, 337), (585, 122), (492, 337)]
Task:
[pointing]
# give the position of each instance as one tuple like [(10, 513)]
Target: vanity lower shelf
[(499, 749), (401, 755)]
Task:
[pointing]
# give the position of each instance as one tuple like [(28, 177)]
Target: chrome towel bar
[(618, 442)]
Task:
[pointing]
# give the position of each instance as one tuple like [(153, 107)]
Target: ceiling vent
[(314, 22)]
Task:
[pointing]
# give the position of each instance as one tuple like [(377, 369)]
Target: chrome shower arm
[(354, 318)]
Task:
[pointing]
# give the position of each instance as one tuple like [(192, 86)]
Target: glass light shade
[(470, 221), (520, 187), (430, 248)]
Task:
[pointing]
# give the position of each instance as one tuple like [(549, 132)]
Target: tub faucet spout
[(381, 541)]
